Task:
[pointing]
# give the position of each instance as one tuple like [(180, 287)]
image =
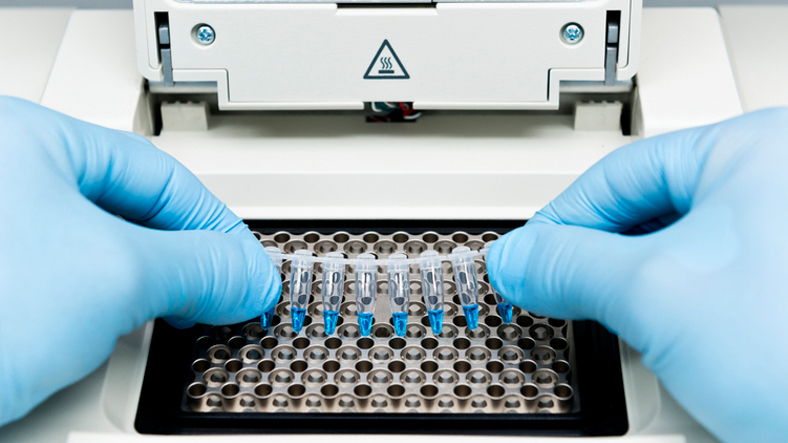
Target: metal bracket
[(611, 53), (165, 54), (185, 116)]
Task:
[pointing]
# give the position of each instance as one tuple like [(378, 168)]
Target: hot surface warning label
[(386, 65)]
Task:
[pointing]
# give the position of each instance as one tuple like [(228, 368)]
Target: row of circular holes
[(221, 353), (476, 357), (544, 404), (541, 376), (508, 332), (395, 364), (372, 237), (351, 331), (560, 367), (251, 353), (354, 379), (381, 249), (477, 376), (517, 377), (529, 392), (395, 391)]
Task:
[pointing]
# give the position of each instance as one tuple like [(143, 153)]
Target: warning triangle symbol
[(386, 65)]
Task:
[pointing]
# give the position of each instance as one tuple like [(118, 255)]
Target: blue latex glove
[(704, 295), (74, 277)]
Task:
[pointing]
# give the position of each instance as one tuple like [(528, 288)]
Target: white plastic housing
[(465, 55)]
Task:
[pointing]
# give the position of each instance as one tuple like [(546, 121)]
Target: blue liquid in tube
[(400, 323), (330, 321), (365, 323), (436, 320), (471, 315)]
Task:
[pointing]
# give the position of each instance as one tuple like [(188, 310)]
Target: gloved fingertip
[(496, 249), (272, 285), (497, 262), (265, 281)]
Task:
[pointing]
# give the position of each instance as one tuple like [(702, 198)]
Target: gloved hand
[(74, 277), (703, 293)]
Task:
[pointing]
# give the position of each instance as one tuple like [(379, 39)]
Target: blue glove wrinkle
[(155, 209), (637, 183), (160, 194)]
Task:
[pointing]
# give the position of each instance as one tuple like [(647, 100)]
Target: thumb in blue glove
[(701, 291), (75, 277)]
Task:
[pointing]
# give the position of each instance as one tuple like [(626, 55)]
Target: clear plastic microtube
[(399, 291), (333, 286), (432, 288), (467, 284), (366, 291), (275, 254), (503, 307), (300, 287)]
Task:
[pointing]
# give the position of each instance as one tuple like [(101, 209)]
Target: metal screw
[(572, 33), (205, 35)]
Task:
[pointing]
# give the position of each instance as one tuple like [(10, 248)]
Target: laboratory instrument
[(502, 165)]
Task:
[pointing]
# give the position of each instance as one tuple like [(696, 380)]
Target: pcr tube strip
[(431, 273)]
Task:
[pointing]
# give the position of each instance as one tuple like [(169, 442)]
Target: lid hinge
[(165, 53), (611, 47)]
